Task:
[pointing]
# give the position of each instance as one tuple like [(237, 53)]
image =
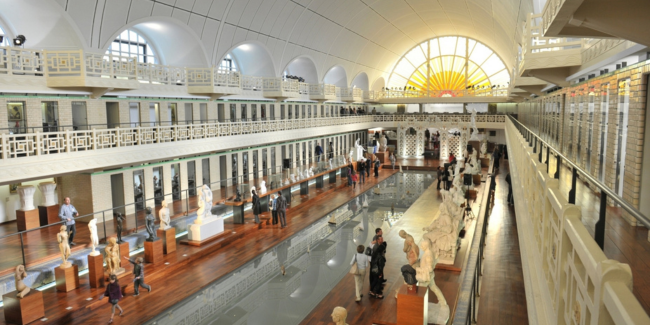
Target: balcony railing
[(48, 143), (479, 92), (17, 61)]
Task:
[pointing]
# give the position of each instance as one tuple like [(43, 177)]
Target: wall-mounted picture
[(13, 188)]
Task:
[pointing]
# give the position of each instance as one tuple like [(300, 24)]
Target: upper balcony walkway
[(38, 155), (32, 70)]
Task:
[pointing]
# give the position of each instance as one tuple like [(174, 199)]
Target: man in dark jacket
[(281, 206), (368, 165), (511, 200), (138, 273), (318, 152)]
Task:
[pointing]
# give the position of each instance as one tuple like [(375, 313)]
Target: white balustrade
[(253, 83)]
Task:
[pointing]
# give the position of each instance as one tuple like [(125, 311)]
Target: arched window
[(449, 63), (131, 44), (5, 38), (228, 63)]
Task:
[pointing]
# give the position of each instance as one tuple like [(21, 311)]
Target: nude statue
[(64, 246), (19, 275), (441, 233), (263, 187), (112, 257), (163, 214), (410, 248), (425, 274), (94, 240), (339, 314), (206, 196), (150, 221), (120, 221)]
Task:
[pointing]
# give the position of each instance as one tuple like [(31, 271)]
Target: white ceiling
[(359, 35)]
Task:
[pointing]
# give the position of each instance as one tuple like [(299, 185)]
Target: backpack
[(368, 251)]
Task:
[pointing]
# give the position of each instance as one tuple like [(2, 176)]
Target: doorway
[(203, 112), (206, 171), (158, 195), (191, 178), (112, 115), (50, 116), (172, 113), (134, 114), (79, 116), (255, 170), (154, 114), (138, 189), (221, 113), (176, 181), (223, 174), (189, 117), (117, 192)]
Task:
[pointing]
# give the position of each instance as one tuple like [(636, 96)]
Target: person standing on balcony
[(256, 206), (67, 213), (318, 151), (360, 166), (281, 206)]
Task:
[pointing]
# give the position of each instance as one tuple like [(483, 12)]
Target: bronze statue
[(238, 198), (120, 220), (149, 224)]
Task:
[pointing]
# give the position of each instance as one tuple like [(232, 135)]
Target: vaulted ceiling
[(360, 35)]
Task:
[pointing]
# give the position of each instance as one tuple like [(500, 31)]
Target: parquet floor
[(192, 268)]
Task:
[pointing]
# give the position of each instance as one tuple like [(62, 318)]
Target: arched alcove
[(379, 84), (253, 59), (304, 67), (173, 41), (360, 81), (336, 76)]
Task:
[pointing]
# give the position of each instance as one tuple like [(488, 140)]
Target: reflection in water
[(314, 261)]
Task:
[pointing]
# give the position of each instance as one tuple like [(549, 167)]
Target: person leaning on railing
[(67, 213)]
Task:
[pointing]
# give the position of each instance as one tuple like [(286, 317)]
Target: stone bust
[(339, 314)]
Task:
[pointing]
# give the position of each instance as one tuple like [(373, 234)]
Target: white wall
[(443, 108), (9, 203), (500, 137)]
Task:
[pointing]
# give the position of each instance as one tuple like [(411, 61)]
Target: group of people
[(277, 204), (363, 171), (352, 111), (371, 260)]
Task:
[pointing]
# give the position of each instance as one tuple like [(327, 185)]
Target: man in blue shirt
[(67, 213)]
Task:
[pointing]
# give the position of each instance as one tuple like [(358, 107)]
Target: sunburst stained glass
[(449, 63)]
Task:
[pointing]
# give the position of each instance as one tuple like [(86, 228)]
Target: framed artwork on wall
[(13, 188)]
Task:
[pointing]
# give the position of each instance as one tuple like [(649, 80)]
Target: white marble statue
[(26, 194), (263, 187), (48, 191), (163, 214), (400, 169), (358, 151), (94, 240), (475, 166), (425, 271), (330, 162), (484, 148), (475, 136), (64, 246), (286, 181), (383, 142), (200, 212), (339, 314), (206, 196), (293, 179)]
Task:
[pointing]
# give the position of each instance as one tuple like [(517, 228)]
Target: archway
[(360, 81), (379, 84), (336, 76), (253, 59), (303, 67)]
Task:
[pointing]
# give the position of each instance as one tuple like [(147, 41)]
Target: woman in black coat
[(256, 207)]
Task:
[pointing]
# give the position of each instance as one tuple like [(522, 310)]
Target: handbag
[(354, 270)]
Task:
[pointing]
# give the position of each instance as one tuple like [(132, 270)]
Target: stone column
[(183, 179), (48, 189), (26, 194), (215, 173)]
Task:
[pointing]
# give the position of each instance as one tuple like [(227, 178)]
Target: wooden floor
[(503, 297), (384, 311), (41, 245), (623, 243), (192, 268)]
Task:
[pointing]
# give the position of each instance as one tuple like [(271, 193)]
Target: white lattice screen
[(453, 143)]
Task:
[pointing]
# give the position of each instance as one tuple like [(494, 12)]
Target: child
[(355, 178), (114, 295)]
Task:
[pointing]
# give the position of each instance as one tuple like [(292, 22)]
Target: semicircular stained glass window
[(449, 63)]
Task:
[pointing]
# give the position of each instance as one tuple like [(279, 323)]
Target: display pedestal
[(96, 271), (23, 310), (209, 230), (153, 251), (476, 179), (67, 279), (124, 249), (412, 305), (49, 214), (168, 239), (485, 162), (27, 219)]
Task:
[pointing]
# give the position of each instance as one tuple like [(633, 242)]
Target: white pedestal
[(211, 226)]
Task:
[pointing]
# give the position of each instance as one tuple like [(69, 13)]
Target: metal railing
[(605, 192)]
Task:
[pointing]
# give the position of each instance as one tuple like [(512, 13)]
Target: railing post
[(534, 144), (22, 249), (599, 231), (558, 164), (548, 159), (572, 192), (541, 147)]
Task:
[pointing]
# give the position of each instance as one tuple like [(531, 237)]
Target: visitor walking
[(377, 163), (350, 170), (511, 200), (256, 206), (361, 166), (377, 263), (114, 294), (318, 152), (138, 273), (274, 209), (440, 175), (363, 261), (281, 206), (355, 178), (367, 165)]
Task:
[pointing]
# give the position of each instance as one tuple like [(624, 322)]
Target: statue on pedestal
[(384, 143), (238, 196), (26, 194), (408, 272), (484, 148), (112, 257), (94, 240), (339, 314), (206, 196), (19, 275), (442, 234), (120, 221), (263, 187), (410, 248), (425, 271), (330, 163), (48, 191), (150, 221), (163, 215), (64, 246)]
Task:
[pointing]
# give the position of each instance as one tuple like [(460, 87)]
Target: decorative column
[(48, 212), (27, 216)]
